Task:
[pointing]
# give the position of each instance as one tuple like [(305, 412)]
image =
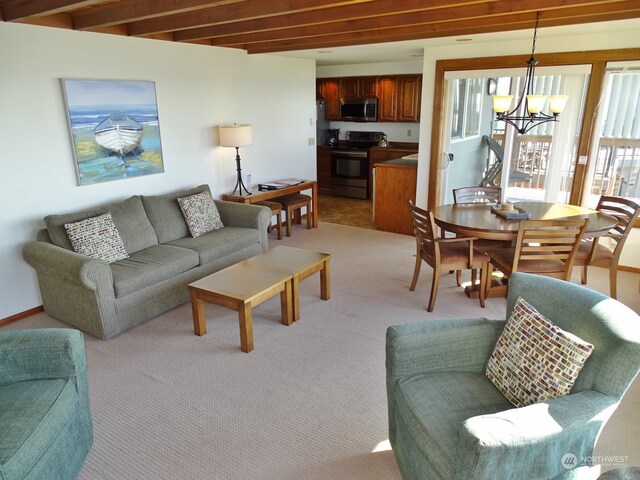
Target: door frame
[(597, 59)]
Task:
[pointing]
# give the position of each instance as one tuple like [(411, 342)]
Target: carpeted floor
[(308, 403)]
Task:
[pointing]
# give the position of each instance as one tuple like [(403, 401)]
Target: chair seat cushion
[(433, 406), (32, 415), (458, 254), (603, 254), (151, 266), (217, 244)]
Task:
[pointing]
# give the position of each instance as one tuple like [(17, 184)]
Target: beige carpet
[(308, 403)]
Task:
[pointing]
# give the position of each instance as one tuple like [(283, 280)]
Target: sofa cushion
[(97, 237), (535, 360), (128, 215), (219, 243), (165, 215), (433, 406), (32, 414), (200, 213), (151, 266)]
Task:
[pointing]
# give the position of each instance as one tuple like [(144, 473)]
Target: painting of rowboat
[(115, 130)]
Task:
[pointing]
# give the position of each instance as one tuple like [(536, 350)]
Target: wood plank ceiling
[(261, 26)]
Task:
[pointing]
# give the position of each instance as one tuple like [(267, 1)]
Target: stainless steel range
[(350, 170)]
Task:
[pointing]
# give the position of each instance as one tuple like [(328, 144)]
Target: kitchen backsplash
[(396, 132)]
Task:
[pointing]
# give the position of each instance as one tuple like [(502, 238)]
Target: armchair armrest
[(532, 441), (436, 345), (68, 266), (42, 353)]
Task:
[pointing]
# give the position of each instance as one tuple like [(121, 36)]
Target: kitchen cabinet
[(329, 90), (387, 99), (398, 95), (351, 87), (383, 154), (323, 168), (395, 186), (409, 93)]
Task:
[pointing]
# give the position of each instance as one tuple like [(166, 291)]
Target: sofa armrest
[(542, 440), (246, 215), (68, 266), (42, 353)]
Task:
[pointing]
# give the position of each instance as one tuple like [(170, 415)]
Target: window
[(467, 107)]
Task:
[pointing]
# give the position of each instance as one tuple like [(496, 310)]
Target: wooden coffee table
[(298, 263), (241, 287)]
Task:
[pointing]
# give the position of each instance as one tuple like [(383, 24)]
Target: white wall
[(197, 88), (583, 37)]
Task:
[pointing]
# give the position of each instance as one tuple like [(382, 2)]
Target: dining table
[(479, 220)]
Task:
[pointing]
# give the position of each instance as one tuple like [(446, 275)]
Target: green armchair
[(448, 421), (45, 422)]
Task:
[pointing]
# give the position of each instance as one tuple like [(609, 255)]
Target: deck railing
[(617, 169)]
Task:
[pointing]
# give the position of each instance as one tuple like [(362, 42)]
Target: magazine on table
[(278, 184)]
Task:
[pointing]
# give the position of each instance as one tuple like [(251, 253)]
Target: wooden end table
[(241, 287), (300, 264)]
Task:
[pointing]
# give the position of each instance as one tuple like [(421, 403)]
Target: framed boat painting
[(115, 130)]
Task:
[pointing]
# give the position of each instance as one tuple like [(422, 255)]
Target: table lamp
[(237, 136)]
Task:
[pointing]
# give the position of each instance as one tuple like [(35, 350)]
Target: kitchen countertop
[(404, 161)]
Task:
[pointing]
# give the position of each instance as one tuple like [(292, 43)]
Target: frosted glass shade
[(235, 135), (502, 103), (557, 103), (535, 103)]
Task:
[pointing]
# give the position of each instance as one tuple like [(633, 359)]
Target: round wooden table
[(477, 219)]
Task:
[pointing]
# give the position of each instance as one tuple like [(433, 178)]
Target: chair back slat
[(626, 212), (424, 229), (549, 240), (477, 195)]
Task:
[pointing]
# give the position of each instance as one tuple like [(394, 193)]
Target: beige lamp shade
[(557, 103), (535, 103), (235, 135), (502, 103)]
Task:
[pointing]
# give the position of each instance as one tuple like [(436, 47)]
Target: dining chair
[(477, 195), (449, 253), (593, 253), (543, 247)]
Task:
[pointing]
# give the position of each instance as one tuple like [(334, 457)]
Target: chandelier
[(534, 103)]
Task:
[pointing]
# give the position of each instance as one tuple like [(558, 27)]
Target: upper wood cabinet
[(409, 93), (329, 90), (398, 95), (387, 99), (358, 87)]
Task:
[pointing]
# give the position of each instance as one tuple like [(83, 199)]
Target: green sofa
[(45, 422), (105, 299), (448, 421)]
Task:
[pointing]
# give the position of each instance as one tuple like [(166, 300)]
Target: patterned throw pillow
[(201, 213), (535, 360), (97, 237)]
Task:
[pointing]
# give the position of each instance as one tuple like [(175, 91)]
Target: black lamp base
[(239, 183)]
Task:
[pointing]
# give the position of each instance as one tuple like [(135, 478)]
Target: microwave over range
[(359, 109)]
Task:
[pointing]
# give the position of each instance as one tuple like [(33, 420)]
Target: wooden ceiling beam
[(424, 32), (457, 14), (247, 9), (17, 11), (137, 10), (383, 8)]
